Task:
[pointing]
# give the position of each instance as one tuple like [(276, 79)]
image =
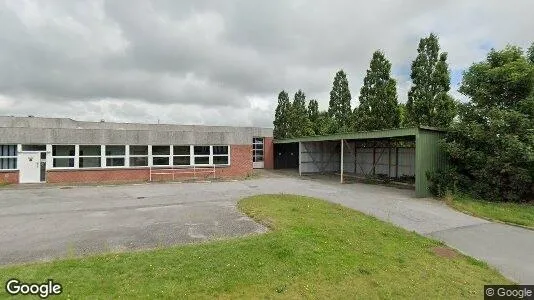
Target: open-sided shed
[(393, 153)]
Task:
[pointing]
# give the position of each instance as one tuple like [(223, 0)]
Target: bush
[(443, 182)]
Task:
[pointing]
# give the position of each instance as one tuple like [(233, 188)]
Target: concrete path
[(44, 223)]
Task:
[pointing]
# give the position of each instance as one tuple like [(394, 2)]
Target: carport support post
[(342, 146), (300, 158)]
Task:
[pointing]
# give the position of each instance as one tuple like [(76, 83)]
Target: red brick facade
[(9, 177), (268, 153), (240, 166)]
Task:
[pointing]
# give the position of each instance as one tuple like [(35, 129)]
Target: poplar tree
[(378, 107), (282, 116), (428, 100), (300, 124), (339, 106), (313, 115)]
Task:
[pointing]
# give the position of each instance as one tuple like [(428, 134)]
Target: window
[(33, 147), (115, 155), (90, 156), (257, 149), (8, 157), (220, 155), (63, 156), (202, 155), (138, 156), (161, 155), (181, 156)]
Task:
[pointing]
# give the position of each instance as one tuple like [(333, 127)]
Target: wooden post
[(342, 146)]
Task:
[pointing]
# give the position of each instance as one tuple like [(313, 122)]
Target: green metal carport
[(374, 151)]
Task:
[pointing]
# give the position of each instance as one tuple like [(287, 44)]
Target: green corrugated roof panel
[(377, 134)]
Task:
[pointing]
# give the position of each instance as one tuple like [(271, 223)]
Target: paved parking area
[(50, 222)]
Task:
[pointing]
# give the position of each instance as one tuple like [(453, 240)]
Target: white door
[(257, 153), (29, 167)]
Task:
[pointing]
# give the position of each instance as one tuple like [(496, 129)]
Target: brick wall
[(9, 177), (240, 166), (268, 153)]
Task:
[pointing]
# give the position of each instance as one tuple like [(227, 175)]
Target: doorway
[(257, 153), (30, 165)]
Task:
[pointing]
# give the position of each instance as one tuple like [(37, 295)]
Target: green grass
[(315, 250), (515, 213)]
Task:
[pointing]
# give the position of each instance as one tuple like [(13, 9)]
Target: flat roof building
[(61, 150)]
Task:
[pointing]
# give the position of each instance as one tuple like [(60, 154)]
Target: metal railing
[(173, 171)]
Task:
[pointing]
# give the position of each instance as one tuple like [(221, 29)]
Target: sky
[(218, 62)]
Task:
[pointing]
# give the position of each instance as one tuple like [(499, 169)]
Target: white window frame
[(181, 155), (220, 155), (79, 156), (114, 156), (74, 157), (254, 150), (209, 156), (168, 156), (130, 155), (7, 157)]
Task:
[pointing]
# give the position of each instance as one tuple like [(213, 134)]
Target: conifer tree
[(282, 116), (339, 106), (428, 100)]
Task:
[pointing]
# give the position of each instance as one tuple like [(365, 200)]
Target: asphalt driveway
[(46, 223)]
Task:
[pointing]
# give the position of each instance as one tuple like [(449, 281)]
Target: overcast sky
[(224, 62)]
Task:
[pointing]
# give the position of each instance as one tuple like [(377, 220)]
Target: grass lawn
[(515, 213), (315, 250)]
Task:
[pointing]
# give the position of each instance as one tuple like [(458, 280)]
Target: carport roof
[(362, 135)]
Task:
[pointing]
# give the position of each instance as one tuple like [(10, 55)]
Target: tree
[(378, 107), (339, 105), (313, 115), (300, 124), (428, 100), (491, 147), (282, 116), (530, 53), (403, 115)]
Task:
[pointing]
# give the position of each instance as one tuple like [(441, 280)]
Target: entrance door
[(30, 167), (257, 153)]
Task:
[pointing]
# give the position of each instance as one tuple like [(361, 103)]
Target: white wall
[(316, 157)]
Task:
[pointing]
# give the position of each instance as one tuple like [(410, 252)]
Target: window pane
[(257, 158), (90, 150), (160, 161), (257, 146), (8, 150), (202, 160), (89, 162), (115, 151), (63, 150), (202, 150), (138, 161), (8, 163), (161, 150), (181, 161), (220, 150), (220, 160), (182, 150), (63, 162), (33, 147), (115, 162), (258, 152), (257, 140), (138, 150)]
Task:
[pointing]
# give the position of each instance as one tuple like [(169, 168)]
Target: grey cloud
[(206, 61)]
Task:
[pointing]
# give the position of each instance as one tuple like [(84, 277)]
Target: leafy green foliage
[(378, 107), (313, 116), (428, 100), (339, 106), (530, 53), (492, 145), (282, 117), (300, 124)]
